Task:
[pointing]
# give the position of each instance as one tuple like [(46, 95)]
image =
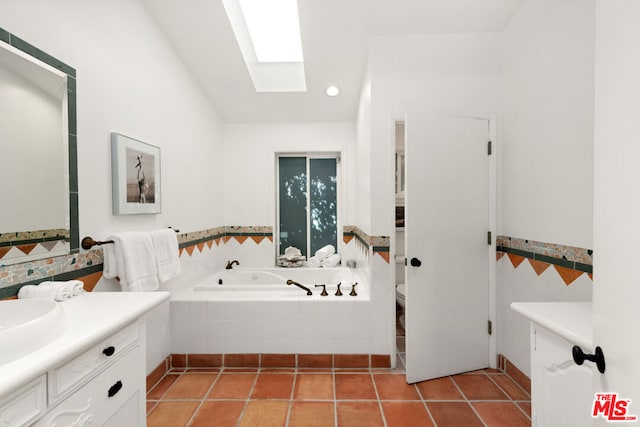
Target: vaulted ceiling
[(335, 41)]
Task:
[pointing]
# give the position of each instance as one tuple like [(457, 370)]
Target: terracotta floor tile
[(232, 386), (526, 407), (150, 406), (406, 414), (313, 387), (453, 414), (311, 414), (171, 414), (513, 390), (478, 387), (439, 389), (161, 387), (354, 387), (359, 414), (265, 413), (501, 414), (395, 387), (190, 386), (220, 413), (273, 386)]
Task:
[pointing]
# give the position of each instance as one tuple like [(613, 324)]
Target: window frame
[(308, 155)]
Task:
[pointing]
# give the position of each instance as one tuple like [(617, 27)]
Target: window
[(307, 205)]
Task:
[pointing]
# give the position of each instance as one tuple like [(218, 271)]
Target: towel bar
[(88, 242)]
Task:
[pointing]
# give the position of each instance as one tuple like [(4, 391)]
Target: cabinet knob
[(109, 351), (415, 262), (114, 389), (598, 358)]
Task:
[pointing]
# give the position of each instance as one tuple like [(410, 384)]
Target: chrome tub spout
[(291, 282)]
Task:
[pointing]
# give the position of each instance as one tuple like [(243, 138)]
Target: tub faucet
[(291, 282), (230, 264)]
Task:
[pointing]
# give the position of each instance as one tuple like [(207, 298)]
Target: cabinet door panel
[(561, 390)]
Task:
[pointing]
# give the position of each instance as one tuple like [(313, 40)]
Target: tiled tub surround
[(202, 323)]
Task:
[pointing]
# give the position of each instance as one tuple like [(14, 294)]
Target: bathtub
[(255, 311), (271, 284)]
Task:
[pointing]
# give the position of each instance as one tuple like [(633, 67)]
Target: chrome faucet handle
[(324, 292), (339, 292), (353, 292)]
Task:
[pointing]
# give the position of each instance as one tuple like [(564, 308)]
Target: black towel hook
[(598, 358)]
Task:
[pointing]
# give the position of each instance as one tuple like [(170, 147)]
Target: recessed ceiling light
[(332, 91)]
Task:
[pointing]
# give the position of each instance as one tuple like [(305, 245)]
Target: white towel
[(52, 290), (110, 266), (77, 287), (165, 244), (325, 252), (331, 261), (314, 262), (136, 261), (34, 291)]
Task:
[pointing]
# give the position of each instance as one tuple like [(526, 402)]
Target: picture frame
[(135, 176)]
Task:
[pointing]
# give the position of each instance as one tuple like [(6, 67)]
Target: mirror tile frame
[(28, 238)]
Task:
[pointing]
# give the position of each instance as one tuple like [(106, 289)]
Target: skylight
[(268, 33), (274, 29)]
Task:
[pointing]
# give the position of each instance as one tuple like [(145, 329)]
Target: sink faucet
[(230, 264), (291, 282)]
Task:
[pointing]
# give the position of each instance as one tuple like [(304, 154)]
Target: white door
[(446, 226)]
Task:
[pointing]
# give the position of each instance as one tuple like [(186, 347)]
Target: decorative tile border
[(67, 267), (18, 247), (570, 262), (378, 244)]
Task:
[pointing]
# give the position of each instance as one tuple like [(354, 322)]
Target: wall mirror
[(39, 190)]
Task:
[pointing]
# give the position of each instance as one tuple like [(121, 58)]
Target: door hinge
[(489, 148), (489, 327), (489, 238)]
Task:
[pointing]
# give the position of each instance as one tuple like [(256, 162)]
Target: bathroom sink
[(27, 325)]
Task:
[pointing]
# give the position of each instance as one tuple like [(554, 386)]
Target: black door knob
[(415, 262)]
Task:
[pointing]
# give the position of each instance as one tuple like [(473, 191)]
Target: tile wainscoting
[(87, 266)]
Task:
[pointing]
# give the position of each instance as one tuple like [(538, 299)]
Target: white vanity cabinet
[(103, 386), (561, 391), (92, 375)]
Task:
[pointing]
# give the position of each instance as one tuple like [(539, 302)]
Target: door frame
[(493, 216)]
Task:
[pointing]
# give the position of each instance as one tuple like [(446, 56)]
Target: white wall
[(547, 123), (249, 165), (429, 73), (130, 81), (617, 207), (545, 155)]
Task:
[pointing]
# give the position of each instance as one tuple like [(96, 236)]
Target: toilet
[(400, 299)]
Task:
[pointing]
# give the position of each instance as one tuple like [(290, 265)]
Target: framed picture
[(135, 175)]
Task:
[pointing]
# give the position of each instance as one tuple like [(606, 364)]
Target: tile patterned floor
[(334, 397)]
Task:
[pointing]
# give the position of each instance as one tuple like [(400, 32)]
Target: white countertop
[(91, 317), (571, 320)]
